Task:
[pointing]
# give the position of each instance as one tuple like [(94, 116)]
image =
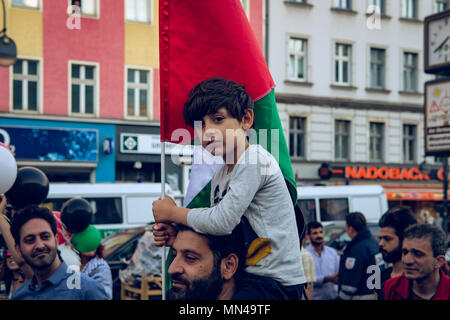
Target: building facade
[(82, 101), (350, 91)]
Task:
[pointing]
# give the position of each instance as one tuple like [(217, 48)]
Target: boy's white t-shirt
[(257, 190)]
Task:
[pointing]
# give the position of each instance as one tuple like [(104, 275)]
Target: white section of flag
[(204, 165)]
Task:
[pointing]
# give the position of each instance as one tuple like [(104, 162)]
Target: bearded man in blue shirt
[(326, 263), (34, 231)]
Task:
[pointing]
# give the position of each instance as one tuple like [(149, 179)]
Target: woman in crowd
[(88, 243)]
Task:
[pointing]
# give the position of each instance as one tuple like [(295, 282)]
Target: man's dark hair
[(434, 234), (222, 246), (398, 218), (356, 220), (313, 225), (214, 93), (28, 213)]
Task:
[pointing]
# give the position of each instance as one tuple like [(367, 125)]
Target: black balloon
[(31, 187), (76, 214)]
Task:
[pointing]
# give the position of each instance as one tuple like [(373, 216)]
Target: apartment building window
[(341, 139), (409, 9), (377, 68), (440, 5), (297, 139), (138, 10), (380, 4), (376, 141), (410, 73), (83, 87), (342, 63), (87, 7), (343, 4), (25, 85), (409, 143), (35, 4), (297, 59), (138, 93)]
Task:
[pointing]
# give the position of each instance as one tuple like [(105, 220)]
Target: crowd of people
[(42, 260), (406, 263), (409, 256), (246, 245)]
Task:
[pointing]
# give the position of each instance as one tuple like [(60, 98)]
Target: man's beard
[(41, 264), (317, 243), (199, 289), (393, 256)]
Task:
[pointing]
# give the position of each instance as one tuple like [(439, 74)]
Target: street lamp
[(8, 49)]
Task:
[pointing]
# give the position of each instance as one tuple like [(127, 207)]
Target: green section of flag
[(266, 117), (202, 199)]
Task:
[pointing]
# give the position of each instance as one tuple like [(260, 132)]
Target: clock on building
[(437, 42)]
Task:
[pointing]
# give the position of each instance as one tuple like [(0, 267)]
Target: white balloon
[(8, 169)]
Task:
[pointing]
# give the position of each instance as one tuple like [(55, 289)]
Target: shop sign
[(150, 144), (437, 117), (384, 173), (378, 173), (51, 144)]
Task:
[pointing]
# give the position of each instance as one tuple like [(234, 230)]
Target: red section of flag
[(200, 39)]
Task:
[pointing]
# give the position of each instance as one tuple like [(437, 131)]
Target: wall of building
[(142, 49), (323, 26), (111, 42), (322, 102), (24, 26), (99, 40)]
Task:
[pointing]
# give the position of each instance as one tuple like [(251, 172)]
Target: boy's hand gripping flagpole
[(163, 194)]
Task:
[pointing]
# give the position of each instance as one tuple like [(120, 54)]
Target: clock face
[(439, 41)]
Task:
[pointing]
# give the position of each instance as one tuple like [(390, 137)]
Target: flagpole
[(163, 193)]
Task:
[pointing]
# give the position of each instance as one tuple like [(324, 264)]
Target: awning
[(414, 194)]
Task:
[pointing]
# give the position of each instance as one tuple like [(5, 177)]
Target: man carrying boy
[(205, 267), (249, 187)]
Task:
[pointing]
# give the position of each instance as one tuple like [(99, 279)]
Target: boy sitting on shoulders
[(249, 187)]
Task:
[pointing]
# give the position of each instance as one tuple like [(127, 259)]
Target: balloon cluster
[(29, 185), (76, 214)]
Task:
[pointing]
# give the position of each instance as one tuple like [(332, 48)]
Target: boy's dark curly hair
[(214, 93)]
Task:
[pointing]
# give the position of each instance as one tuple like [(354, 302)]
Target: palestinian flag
[(199, 39)]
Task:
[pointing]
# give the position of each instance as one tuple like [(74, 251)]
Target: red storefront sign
[(379, 173), (384, 173)]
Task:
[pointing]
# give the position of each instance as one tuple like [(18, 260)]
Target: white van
[(115, 205), (332, 203)]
